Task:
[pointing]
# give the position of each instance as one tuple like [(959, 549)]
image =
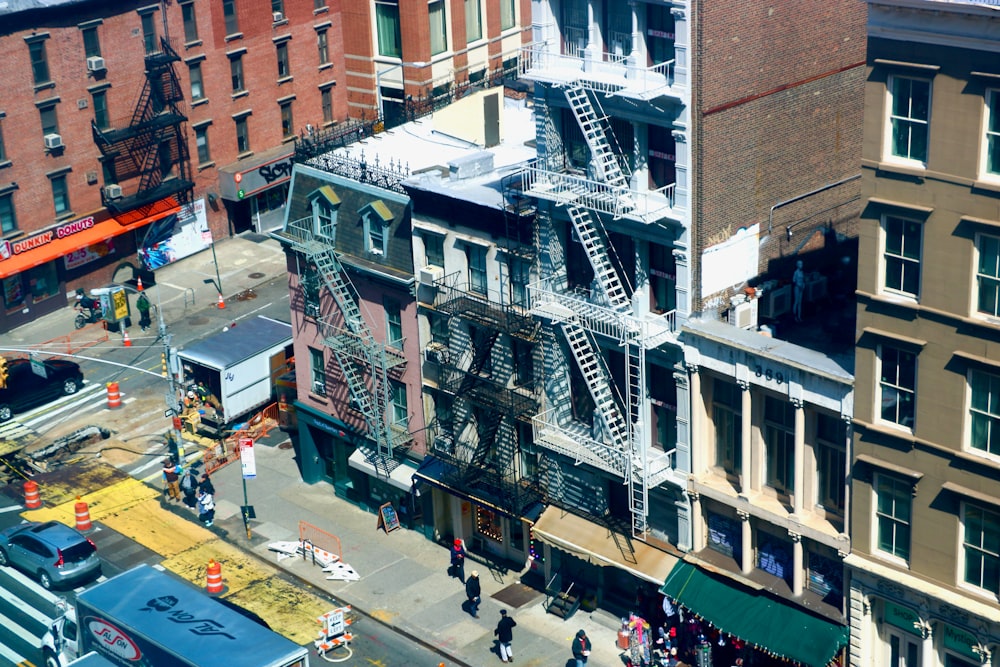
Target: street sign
[(247, 460), (38, 366)]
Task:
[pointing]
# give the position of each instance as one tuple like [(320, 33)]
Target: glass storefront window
[(43, 282), (13, 292), (488, 524)]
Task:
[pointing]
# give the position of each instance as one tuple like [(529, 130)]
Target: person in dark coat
[(189, 487), (473, 592), (457, 552), (206, 484), (581, 648), (505, 635)]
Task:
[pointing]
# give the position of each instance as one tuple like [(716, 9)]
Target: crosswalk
[(26, 611)]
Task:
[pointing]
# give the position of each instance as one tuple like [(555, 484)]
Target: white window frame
[(471, 250), (477, 12), (991, 114), (970, 411), (887, 151), (317, 376), (397, 390), (824, 445), (979, 277), (445, 19), (876, 548), (880, 353), (884, 253), (393, 310), (963, 546)]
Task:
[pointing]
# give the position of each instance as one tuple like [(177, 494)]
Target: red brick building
[(129, 130)]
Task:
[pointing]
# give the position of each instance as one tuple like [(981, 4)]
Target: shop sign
[(89, 254), (961, 641), (247, 183), (11, 248), (902, 617)]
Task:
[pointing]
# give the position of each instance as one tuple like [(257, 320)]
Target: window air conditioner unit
[(53, 141), (112, 191), (436, 353), (430, 274), (744, 315), (278, 17), (444, 443), (319, 388), (776, 302), (95, 64)]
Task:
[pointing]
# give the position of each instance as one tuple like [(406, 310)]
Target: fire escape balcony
[(355, 346), (452, 299), (563, 187), (487, 393), (575, 440), (649, 332), (609, 73)]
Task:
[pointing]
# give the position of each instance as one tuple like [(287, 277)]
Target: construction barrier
[(319, 543), (114, 396), (213, 578), (225, 451), (32, 499), (82, 515)]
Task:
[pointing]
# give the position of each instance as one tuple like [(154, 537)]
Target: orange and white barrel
[(213, 578), (32, 499), (114, 396), (82, 515)]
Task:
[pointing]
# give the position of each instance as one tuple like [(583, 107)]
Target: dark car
[(26, 388), (51, 551)]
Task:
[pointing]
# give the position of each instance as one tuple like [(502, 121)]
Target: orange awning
[(19, 255)]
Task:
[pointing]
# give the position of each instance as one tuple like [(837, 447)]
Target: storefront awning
[(19, 255), (755, 617), (401, 477), (600, 546)]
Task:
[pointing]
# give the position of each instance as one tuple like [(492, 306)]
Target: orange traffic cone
[(138, 285), (222, 304), (126, 340)]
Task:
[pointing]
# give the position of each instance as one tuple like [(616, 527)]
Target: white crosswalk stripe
[(22, 624)]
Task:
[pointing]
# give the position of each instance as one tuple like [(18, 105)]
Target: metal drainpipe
[(770, 215)]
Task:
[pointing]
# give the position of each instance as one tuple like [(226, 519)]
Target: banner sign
[(247, 460)]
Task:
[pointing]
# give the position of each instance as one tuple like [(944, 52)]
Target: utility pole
[(173, 397)]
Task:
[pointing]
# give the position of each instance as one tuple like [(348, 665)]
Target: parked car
[(26, 388), (54, 553)]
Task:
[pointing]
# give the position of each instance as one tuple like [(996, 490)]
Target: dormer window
[(325, 204), (376, 218)]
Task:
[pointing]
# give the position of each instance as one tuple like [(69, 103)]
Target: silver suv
[(54, 553)]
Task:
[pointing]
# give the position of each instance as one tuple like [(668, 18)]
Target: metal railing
[(609, 73), (574, 440)]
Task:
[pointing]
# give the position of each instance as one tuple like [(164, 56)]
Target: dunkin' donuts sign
[(11, 248)]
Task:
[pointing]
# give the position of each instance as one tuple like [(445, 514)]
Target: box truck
[(147, 618)]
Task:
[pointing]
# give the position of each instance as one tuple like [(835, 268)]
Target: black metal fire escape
[(151, 145)]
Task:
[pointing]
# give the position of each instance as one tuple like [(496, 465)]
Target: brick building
[(129, 131)]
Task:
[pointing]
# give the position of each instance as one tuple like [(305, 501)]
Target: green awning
[(755, 617)]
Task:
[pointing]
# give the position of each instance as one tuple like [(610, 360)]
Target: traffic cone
[(222, 304), (126, 340), (138, 286)]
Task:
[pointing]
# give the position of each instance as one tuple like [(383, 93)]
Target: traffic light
[(163, 364), (3, 373)]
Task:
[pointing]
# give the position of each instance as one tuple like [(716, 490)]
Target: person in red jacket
[(581, 648), (458, 560)]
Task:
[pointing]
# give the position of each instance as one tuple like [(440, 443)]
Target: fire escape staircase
[(152, 143)]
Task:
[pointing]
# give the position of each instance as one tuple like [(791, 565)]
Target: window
[(3, 148), (287, 122), (981, 547), (473, 20), (903, 241), (39, 62), (317, 371), (50, 120), (779, 441), (310, 291), (8, 219), (988, 275), (236, 73), (319, 4), (284, 69), (197, 88), (101, 118), (387, 25), (148, 21), (91, 42), (520, 276), (242, 135), (230, 17), (325, 217), (190, 22), (477, 268), (393, 323), (439, 328), (991, 157), (201, 141), (376, 218), (524, 362), (507, 14), (727, 410), (984, 412), (376, 239), (439, 27), (909, 116), (892, 512), (898, 385), (278, 7), (434, 249), (326, 101), (323, 46), (831, 462), (60, 195), (400, 413)]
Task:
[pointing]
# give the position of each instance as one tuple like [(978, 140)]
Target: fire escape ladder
[(590, 233), (598, 380), (592, 120), (482, 349), (357, 351), (487, 450), (635, 360)]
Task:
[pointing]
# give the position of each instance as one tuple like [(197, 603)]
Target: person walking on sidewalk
[(172, 479), (581, 648), (142, 305), (457, 552), (206, 484), (505, 635), (206, 508), (473, 593), (189, 487)]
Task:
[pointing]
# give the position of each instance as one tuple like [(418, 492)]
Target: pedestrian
[(505, 635), (189, 487), (206, 508), (581, 648), (458, 560), (171, 479), (142, 305), (206, 484), (473, 592)]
